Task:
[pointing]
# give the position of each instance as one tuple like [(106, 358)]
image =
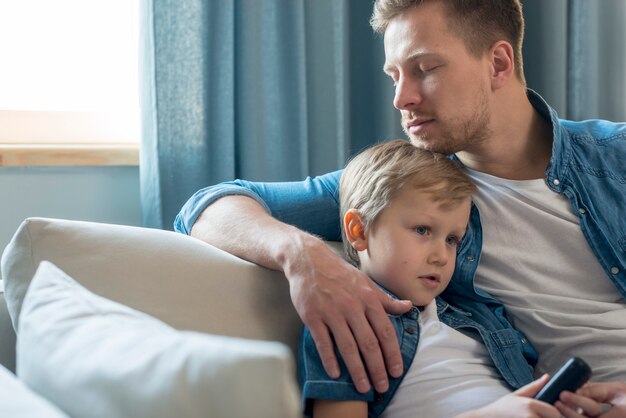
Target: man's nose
[(407, 94)]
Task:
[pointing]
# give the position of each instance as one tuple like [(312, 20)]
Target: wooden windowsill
[(19, 155)]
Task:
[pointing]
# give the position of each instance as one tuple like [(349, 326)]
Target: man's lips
[(415, 125)]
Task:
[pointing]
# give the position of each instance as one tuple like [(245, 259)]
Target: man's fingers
[(347, 346), (575, 406), (600, 391), (594, 391), (325, 348), (394, 306), (613, 393), (349, 310), (388, 342), (370, 349)]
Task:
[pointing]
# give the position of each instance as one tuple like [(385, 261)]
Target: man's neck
[(520, 146)]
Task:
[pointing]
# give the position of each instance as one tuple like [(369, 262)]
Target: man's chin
[(444, 144), (429, 145), (417, 141)]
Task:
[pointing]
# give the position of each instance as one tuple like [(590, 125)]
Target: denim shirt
[(588, 166), (501, 344)]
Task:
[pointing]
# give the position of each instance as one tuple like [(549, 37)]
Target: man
[(547, 234)]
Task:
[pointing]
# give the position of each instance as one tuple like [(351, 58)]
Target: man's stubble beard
[(457, 135)]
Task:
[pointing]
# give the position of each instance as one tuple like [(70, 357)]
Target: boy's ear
[(355, 232)]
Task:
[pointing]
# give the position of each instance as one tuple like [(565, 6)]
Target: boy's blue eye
[(422, 230), (452, 240)]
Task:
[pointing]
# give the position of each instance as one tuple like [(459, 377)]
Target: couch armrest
[(7, 337), (181, 280)]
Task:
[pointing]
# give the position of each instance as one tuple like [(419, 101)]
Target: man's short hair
[(479, 23), (373, 177)]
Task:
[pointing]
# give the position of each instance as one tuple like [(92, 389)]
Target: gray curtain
[(575, 56), (274, 90), (265, 90)]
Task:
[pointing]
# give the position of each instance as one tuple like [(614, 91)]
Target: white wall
[(99, 194)]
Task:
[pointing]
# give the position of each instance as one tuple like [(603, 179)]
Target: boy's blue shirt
[(587, 166), (500, 340)]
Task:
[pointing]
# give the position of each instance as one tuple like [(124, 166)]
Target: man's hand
[(332, 297), (335, 299), (611, 393)]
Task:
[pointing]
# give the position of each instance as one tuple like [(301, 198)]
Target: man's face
[(442, 91)]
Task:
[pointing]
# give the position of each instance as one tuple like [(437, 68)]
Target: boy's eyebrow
[(460, 231)]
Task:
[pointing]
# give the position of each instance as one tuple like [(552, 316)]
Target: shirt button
[(556, 182), (524, 340), (410, 330), (470, 258), (582, 211), (614, 270)]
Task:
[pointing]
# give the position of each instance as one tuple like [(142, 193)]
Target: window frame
[(31, 136)]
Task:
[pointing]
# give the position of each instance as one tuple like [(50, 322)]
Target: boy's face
[(411, 248)]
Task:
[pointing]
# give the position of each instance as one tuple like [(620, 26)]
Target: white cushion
[(93, 357), (17, 401), (178, 279)]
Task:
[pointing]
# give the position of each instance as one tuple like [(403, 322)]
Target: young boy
[(405, 211)]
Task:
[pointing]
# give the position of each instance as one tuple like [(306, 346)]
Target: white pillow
[(93, 357), (17, 401)]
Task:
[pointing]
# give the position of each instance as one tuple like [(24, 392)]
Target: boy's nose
[(438, 254)]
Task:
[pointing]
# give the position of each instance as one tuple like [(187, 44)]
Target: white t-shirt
[(537, 262), (450, 374)]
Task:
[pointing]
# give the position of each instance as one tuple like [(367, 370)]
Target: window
[(69, 82)]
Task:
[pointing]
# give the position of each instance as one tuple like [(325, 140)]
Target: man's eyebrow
[(414, 56)]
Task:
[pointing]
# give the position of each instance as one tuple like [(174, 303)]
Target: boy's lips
[(430, 280)]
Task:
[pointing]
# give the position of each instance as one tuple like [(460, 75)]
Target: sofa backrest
[(181, 280)]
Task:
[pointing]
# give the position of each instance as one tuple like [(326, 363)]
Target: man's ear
[(355, 232), (502, 64)]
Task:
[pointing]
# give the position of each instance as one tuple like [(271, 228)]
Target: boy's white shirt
[(450, 374), (536, 261)]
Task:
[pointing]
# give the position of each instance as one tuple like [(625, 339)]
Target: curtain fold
[(275, 90), (265, 90), (575, 56)]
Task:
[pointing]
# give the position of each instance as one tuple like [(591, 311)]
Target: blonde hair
[(373, 177), (479, 23)]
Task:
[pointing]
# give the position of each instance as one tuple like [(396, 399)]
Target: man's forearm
[(240, 226)]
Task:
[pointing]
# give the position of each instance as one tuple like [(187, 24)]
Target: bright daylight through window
[(69, 77)]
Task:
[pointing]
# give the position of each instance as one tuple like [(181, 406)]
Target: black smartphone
[(571, 376)]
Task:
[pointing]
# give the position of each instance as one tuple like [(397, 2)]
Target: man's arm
[(331, 296)]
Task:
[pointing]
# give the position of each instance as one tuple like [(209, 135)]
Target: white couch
[(127, 321)]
